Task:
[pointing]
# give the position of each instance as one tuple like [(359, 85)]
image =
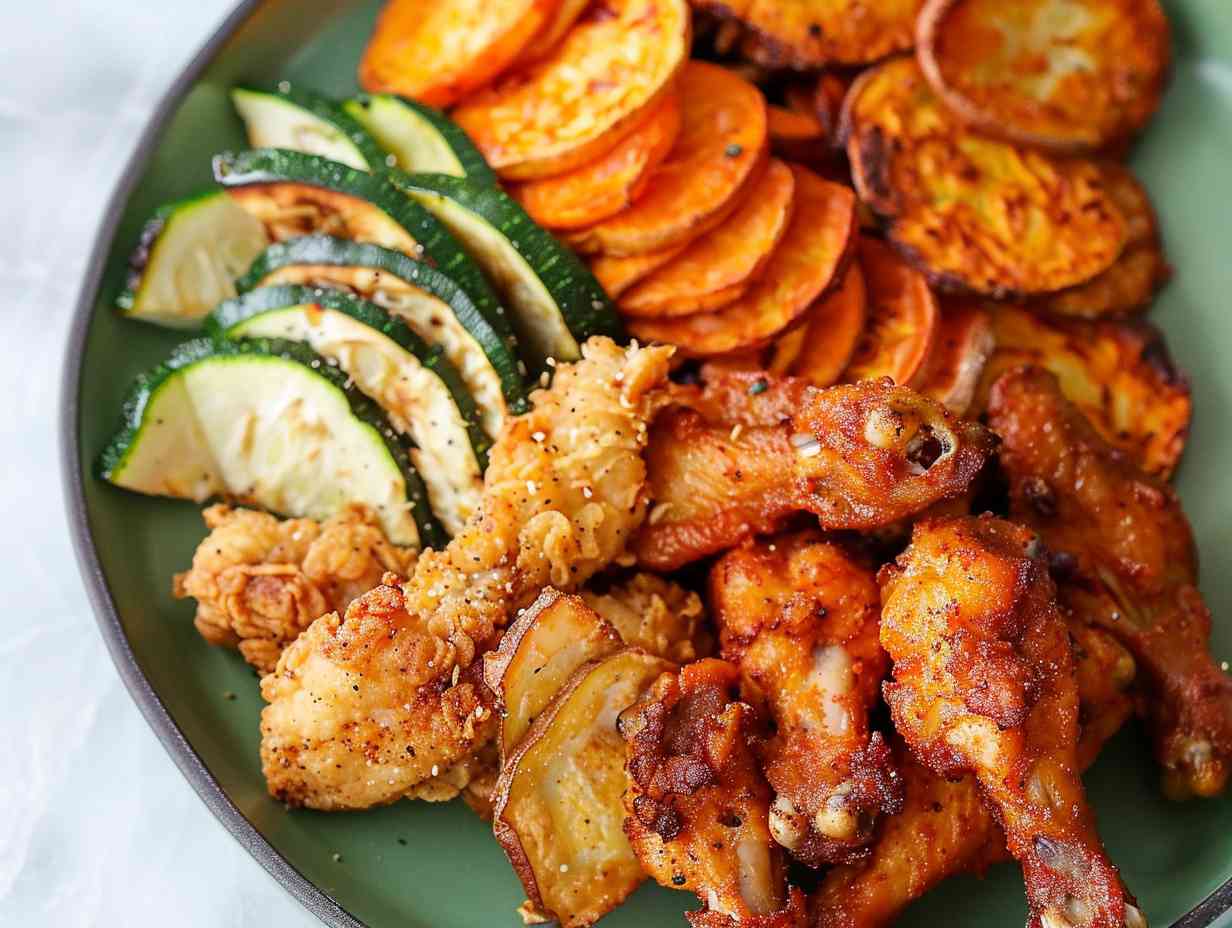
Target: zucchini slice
[(189, 254), (555, 301), (435, 308), (269, 424), (419, 137), (417, 387), (284, 116)]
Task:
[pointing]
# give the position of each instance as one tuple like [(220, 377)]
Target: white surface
[(97, 827)]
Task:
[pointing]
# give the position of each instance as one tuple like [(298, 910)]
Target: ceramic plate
[(415, 864)]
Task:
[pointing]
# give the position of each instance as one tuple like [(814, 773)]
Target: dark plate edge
[(319, 903)]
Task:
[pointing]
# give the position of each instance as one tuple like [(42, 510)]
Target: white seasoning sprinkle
[(550, 362), (531, 487), (543, 379), (538, 436), (435, 770), (564, 868), (736, 430), (587, 492)]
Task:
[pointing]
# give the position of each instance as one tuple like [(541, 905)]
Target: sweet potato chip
[(722, 142), (617, 274), (1130, 284), (974, 213), (1118, 373), (833, 328), (1063, 74), (555, 29), (604, 187), (806, 34), (902, 317), (809, 260), (586, 95), (796, 135), (963, 345), (782, 354), (437, 51), (724, 260)]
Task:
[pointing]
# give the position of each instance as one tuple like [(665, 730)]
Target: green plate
[(449, 872)]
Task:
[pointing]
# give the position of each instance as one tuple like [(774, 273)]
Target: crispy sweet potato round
[(809, 260), (604, 187), (973, 213), (806, 34), (586, 95), (437, 51), (724, 259), (555, 29), (722, 142), (832, 329), (963, 345), (617, 274), (902, 317), (1064, 74), (1130, 284)]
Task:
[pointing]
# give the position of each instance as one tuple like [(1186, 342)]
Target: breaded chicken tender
[(364, 708), (259, 580), (656, 615)]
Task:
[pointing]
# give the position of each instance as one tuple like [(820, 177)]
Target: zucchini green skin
[(490, 330), (327, 110), (231, 313), (115, 454), (440, 249), (474, 167), (585, 307)]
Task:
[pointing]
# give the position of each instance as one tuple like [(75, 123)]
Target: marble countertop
[(97, 826)]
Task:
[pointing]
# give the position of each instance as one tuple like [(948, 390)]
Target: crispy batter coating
[(1128, 559), (259, 581), (857, 456), (697, 807), (655, 615), (799, 617), (363, 709), (984, 684)]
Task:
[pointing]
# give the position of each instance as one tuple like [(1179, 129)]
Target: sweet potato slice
[(902, 317), (559, 816), (973, 213), (604, 187), (586, 95), (1119, 374), (437, 51), (618, 274), (832, 331), (807, 34), (1130, 284), (726, 258), (809, 260), (962, 347), (722, 142), (556, 28), (538, 653), (1060, 74)]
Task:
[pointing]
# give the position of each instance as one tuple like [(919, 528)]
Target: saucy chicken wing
[(364, 708), (984, 684), (799, 617), (1126, 555)]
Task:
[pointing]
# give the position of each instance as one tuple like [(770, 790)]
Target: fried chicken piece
[(944, 827), (857, 456), (363, 709), (656, 615), (984, 684), (259, 581), (1127, 556), (473, 778), (799, 617), (697, 807)]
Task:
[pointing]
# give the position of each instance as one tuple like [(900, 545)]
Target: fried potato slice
[(725, 258), (617, 274), (721, 145), (902, 317), (1118, 373), (809, 260), (656, 615), (586, 95), (438, 51), (538, 653), (559, 816), (807, 34), (972, 212), (604, 187), (965, 341), (556, 28), (1069, 75), (1131, 283), (831, 331)]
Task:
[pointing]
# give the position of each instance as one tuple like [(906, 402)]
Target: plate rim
[(72, 480)]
